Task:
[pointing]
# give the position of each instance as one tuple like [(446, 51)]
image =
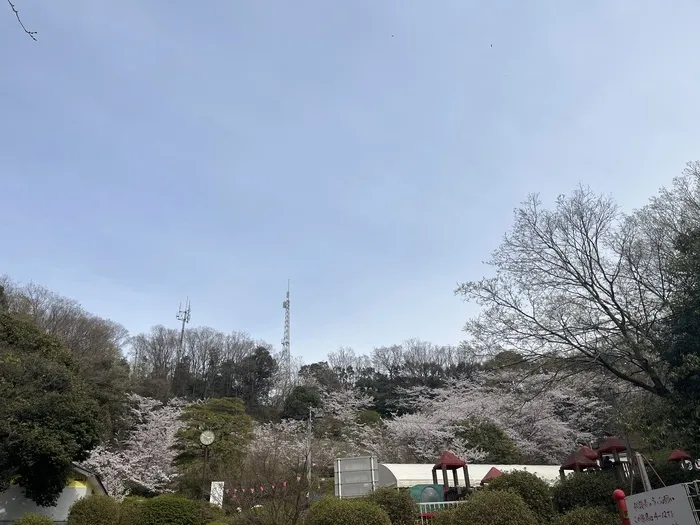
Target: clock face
[(206, 437)]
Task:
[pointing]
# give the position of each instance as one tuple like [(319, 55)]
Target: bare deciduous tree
[(582, 284), (388, 360)]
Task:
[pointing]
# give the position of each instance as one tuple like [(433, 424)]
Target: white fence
[(693, 490), (432, 508)]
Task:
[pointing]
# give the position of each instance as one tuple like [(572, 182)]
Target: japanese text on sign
[(665, 506)]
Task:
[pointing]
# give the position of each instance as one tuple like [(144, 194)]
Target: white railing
[(432, 508), (693, 491)]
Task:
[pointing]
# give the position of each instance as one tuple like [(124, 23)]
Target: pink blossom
[(146, 457)]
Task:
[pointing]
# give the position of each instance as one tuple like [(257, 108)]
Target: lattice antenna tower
[(184, 317), (286, 346)]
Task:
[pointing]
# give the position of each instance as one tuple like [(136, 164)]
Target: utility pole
[(286, 344), (184, 316), (309, 433)]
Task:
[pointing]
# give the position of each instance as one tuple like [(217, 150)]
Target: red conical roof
[(577, 461), (449, 461), (612, 444), (679, 455), (493, 473), (588, 452)]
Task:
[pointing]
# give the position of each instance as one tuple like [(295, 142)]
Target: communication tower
[(184, 316), (286, 346)]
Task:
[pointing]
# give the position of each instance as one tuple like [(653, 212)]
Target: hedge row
[(34, 519), (167, 509), (580, 499), (515, 497)]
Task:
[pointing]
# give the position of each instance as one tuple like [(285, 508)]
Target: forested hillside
[(589, 327)]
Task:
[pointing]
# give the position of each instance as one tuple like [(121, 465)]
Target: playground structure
[(455, 480), (449, 462), (449, 479), (435, 487), (452, 480)]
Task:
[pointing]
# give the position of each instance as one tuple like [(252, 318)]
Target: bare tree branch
[(582, 284), (14, 10)]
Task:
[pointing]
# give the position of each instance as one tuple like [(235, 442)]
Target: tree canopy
[(682, 353), (49, 417), (232, 428)]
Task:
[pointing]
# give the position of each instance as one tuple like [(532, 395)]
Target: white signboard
[(665, 506), (355, 477), (216, 493)]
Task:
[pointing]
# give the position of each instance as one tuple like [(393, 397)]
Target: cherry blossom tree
[(335, 431), (283, 443), (344, 405), (146, 458), (422, 437), (535, 419), (545, 420)]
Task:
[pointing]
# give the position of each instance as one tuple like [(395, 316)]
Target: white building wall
[(14, 505), (408, 475)]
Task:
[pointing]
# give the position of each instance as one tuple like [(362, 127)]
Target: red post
[(619, 497)]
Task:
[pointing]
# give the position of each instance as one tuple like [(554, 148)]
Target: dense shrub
[(332, 511), (534, 490), (588, 516), (169, 509), (398, 505), (670, 473), (490, 507), (94, 510), (33, 519), (446, 517), (211, 512), (131, 510), (582, 489), (266, 515)]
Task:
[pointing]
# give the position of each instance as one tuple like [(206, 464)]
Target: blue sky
[(371, 151)]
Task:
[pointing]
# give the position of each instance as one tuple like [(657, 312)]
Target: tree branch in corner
[(14, 10)]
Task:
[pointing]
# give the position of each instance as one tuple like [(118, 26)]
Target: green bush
[(272, 515), (170, 509), (131, 510), (33, 519), (332, 511), (491, 507), (398, 505), (534, 490), (211, 512), (242, 518), (588, 516), (446, 517), (670, 473), (585, 489), (94, 510)]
